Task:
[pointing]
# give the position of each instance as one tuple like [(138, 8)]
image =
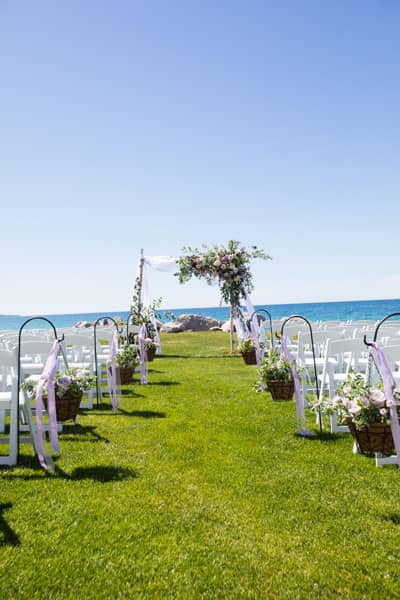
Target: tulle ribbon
[(255, 334), (388, 386), (48, 375), (298, 391), (112, 372), (142, 354)]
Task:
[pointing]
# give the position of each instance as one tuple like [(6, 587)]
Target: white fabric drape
[(167, 264)]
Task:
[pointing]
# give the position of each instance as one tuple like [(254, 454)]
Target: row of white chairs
[(79, 352)]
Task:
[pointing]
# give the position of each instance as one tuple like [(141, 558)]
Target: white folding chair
[(341, 357), (9, 405)]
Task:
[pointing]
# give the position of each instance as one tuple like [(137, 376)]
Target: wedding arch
[(225, 266)]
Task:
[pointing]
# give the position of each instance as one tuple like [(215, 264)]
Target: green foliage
[(126, 356), (228, 266), (198, 488), (246, 345), (140, 314), (274, 366)]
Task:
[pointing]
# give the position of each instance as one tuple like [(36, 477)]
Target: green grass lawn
[(199, 488)]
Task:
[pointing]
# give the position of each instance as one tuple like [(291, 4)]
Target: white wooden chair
[(341, 357), (9, 405)]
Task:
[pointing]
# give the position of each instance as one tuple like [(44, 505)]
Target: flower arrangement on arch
[(229, 267), (362, 404)]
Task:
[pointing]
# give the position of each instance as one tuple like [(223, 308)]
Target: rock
[(172, 327), (190, 323), (196, 322), (82, 324)]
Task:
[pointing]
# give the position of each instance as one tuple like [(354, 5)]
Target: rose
[(354, 407), (377, 397)]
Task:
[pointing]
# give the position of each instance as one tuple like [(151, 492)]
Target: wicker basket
[(67, 406), (372, 438), (281, 390), (250, 357), (124, 374), (151, 352)]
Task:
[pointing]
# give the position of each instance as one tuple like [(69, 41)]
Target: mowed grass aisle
[(199, 488)]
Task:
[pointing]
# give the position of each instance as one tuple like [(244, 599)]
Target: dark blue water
[(373, 310)]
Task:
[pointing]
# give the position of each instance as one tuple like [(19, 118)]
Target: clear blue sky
[(132, 124)]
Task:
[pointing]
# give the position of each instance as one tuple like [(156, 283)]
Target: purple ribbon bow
[(112, 372)]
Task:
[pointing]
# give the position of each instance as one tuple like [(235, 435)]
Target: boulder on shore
[(171, 327), (190, 323)]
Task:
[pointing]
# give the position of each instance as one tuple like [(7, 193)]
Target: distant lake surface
[(356, 310)]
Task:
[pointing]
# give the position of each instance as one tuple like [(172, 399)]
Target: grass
[(199, 488)]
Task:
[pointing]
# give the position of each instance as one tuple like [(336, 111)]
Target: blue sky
[(162, 124)]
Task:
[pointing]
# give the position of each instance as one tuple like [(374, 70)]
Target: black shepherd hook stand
[(369, 344), (264, 310), (314, 361), (19, 363), (95, 349)]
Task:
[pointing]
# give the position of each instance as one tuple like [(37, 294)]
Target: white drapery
[(167, 264)]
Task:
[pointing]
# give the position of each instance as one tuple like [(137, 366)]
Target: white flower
[(217, 263)]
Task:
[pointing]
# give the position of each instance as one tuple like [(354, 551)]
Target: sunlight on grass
[(198, 488)]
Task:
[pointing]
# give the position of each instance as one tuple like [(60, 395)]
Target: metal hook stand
[(95, 349), (19, 364), (313, 353), (264, 310), (369, 344)]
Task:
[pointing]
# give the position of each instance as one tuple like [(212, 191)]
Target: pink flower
[(354, 408), (383, 412), (377, 397)]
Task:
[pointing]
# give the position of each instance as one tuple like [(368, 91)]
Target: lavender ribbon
[(142, 354), (388, 385), (254, 329), (48, 375), (298, 392), (112, 372)]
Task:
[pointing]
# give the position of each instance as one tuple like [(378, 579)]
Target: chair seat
[(32, 368), (5, 399)]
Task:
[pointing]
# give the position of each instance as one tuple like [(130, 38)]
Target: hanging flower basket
[(372, 437), (67, 405), (280, 390), (249, 357)]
